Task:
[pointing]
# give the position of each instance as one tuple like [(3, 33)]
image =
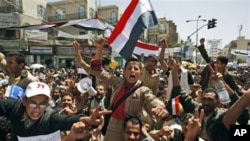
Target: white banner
[(50, 137), (240, 52), (67, 35), (36, 36), (214, 46)]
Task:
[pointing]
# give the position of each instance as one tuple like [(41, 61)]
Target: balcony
[(66, 17), (10, 9)]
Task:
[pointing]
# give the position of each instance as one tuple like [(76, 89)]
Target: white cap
[(37, 88)]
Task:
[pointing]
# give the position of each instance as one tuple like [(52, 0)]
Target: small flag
[(138, 16), (177, 108)]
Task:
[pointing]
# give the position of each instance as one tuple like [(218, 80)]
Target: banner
[(71, 36), (214, 46), (36, 36)]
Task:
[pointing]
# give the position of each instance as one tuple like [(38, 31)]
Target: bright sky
[(230, 14)]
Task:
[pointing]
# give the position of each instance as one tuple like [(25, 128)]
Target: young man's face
[(66, 101), (35, 106), (100, 90), (132, 72), (219, 65), (132, 132), (150, 63)]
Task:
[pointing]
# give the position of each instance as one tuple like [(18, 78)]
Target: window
[(162, 28), (17, 3), (82, 12), (113, 17), (60, 14), (91, 13), (40, 11), (16, 6)]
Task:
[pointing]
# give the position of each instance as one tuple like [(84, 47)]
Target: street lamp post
[(197, 24)]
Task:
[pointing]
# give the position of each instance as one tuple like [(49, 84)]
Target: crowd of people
[(135, 103)]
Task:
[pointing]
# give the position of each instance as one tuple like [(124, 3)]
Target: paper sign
[(50, 137), (15, 92)]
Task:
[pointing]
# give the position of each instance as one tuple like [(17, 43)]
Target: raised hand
[(164, 42), (194, 125), (96, 118), (99, 42), (77, 131), (160, 112), (75, 44)]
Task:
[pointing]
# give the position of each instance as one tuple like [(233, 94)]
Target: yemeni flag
[(138, 16), (177, 108), (146, 49)]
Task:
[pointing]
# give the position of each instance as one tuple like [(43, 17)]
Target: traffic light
[(211, 23)]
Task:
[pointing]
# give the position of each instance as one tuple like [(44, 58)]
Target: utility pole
[(197, 21)]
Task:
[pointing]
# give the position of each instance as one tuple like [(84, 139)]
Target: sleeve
[(63, 122), (96, 65), (85, 65), (6, 106), (203, 53), (150, 100), (186, 100), (190, 79)]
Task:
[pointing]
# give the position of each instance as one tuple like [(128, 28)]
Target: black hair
[(131, 60), (222, 59), (134, 120), (152, 56), (67, 94), (211, 90), (20, 57)]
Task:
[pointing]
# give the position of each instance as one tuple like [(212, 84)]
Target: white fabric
[(183, 82)]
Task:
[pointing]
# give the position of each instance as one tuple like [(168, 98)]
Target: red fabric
[(96, 65), (119, 112)]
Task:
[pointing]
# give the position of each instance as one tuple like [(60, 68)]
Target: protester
[(32, 116), (133, 127), (142, 96), (221, 63), (213, 116), (14, 67)]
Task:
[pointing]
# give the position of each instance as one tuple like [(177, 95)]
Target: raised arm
[(203, 51), (235, 111), (78, 53), (99, 48), (162, 61), (79, 56)]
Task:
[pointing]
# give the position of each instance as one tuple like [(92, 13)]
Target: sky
[(230, 15)]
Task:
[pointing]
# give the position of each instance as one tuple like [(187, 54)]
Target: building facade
[(45, 46), (15, 13)]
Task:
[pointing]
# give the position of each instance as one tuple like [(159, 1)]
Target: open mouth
[(132, 77)]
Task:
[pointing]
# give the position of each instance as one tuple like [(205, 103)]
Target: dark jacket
[(205, 74), (216, 129), (48, 123)]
